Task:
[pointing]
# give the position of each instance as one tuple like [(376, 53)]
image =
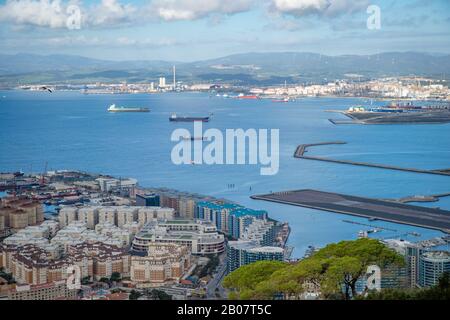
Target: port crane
[(44, 173)]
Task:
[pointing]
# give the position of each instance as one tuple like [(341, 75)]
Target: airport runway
[(363, 207)]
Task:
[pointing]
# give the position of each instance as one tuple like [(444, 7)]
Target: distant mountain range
[(240, 69)]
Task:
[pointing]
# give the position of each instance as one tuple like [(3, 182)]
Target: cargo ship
[(248, 97), (114, 108), (175, 118)]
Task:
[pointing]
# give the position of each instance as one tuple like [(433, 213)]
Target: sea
[(70, 130)]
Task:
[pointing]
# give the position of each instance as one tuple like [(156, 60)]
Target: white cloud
[(111, 12), (44, 13), (53, 13), (320, 7), (170, 10)]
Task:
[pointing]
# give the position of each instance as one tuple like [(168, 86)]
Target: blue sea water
[(70, 130)]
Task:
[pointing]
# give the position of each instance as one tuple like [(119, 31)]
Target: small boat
[(284, 100), (196, 139), (114, 108)]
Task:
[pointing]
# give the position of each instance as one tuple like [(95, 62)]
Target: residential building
[(88, 215), (150, 214), (162, 263), (252, 227), (2, 221), (51, 291), (432, 265), (67, 215), (148, 200), (116, 215), (200, 236), (240, 253), (30, 264), (114, 185), (186, 208), (20, 213), (229, 218)]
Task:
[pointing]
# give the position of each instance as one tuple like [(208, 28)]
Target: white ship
[(114, 108)]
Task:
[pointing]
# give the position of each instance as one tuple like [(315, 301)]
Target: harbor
[(303, 148), (396, 113), (369, 208), (146, 159)]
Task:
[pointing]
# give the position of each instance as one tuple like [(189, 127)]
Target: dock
[(369, 208), (303, 148)]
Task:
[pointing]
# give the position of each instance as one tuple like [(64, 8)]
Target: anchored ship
[(175, 118), (114, 108), (248, 97)]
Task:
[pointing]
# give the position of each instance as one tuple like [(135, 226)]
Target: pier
[(363, 207), (303, 148)]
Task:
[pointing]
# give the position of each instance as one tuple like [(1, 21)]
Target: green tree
[(134, 295), (106, 281), (334, 270), (86, 280), (345, 262), (116, 277), (244, 280), (159, 295)]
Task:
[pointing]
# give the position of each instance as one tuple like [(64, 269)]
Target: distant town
[(408, 88)]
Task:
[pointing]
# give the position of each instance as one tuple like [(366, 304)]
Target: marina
[(363, 207)]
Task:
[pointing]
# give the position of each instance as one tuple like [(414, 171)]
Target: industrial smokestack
[(174, 78)]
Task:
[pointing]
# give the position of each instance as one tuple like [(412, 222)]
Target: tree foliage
[(334, 269), (115, 277), (135, 295), (244, 280)]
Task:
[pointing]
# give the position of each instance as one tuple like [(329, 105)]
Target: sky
[(190, 30)]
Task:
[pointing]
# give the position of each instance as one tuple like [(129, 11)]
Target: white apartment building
[(115, 215)]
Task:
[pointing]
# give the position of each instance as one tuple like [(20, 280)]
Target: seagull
[(46, 89)]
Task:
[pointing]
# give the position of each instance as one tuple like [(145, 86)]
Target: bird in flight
[(46, 89)]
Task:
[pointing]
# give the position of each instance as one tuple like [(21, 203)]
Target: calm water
[(74, 131)]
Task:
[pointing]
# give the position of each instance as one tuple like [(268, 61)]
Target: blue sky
[(188, 30)]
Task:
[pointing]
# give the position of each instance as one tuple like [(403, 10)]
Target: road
[(215, 282)]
